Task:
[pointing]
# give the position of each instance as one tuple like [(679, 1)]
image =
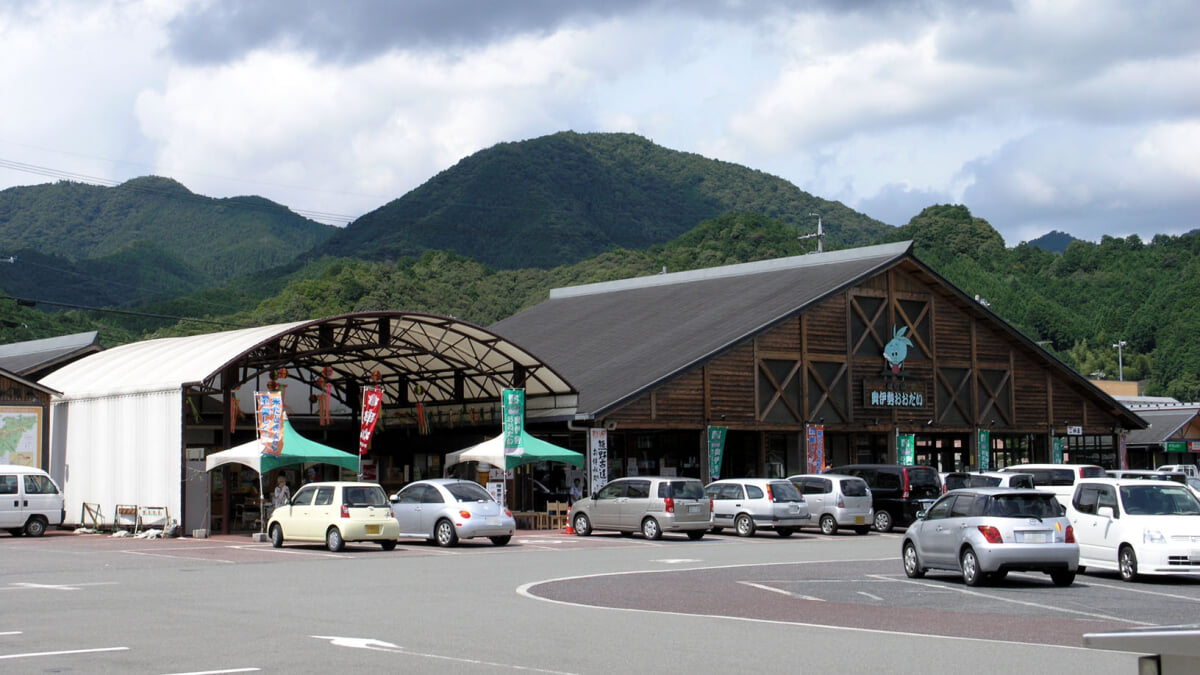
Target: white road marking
[(676, 561), (1124, 586), (219, 672), (876, 598), (64, 653), (17, 586), (381, 646), (779, 590), (11, 632), (1014, 601)]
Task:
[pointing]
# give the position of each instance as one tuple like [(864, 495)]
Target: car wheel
[(501, 541), (912, 565), (969, 563), (1062, 577), (744, 526), (1127, 561), (784, 531), (697, 535), (883, 521), (16, 531), (1081, 569), (333, 540), (444, 534), (276, 535), (583, 526), (36, 527), (388, 545), (828, 524), (865, 529), (650, 528)]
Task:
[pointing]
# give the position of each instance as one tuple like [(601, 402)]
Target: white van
[(1058, 478), (1188, 469), (29, 501)]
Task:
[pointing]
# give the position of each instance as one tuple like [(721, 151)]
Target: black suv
[(898, 492)]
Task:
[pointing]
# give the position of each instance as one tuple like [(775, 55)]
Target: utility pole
[(1120, 362), (820, 235)]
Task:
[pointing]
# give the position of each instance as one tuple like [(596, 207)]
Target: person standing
[(576, 492), (283, 493)]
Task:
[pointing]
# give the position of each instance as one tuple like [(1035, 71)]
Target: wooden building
[(24, 421), (869, 347)]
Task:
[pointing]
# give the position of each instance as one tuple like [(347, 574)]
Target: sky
[(1076, 116)]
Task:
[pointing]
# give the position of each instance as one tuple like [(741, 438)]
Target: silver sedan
[(983, 533), (448, 509)]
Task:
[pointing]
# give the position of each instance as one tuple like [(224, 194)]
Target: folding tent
[(531, 449)]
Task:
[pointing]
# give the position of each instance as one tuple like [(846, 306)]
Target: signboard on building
[(1074, 431), (514, 420), (816, 448), (716, 450), (985, 450), (1177, 446), (1056, 452), (895, 393), (906, 448), (598, 452)]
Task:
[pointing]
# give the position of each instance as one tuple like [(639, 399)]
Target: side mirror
[(1105, 511), (920, 515)]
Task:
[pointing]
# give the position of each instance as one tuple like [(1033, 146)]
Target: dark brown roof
[(1164, 423)]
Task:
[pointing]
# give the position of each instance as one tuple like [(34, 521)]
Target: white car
[(836, 500), (1136, 526), (335, 513), (750, 504)]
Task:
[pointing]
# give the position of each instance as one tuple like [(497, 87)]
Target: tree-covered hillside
[(146, 239), (559, 199)]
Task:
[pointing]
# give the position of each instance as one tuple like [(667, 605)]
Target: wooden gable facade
[(962, 371), (24, 420)]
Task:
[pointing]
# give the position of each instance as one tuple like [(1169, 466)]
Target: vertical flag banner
[(598, 449), (985, 450), (1123, 453), (816, 448), (716, 450), (906, 448), (1056, 455), (268, 413), (514, 420), (372, 401)]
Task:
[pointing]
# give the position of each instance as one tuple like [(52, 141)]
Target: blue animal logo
[(896, 349)]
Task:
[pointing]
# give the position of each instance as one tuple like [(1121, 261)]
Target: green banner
[(1056, 457), (906, 448), (1177, 446), (985, 450), (716, 450), (514, 420)]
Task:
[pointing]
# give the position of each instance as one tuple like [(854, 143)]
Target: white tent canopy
[(531, 449)]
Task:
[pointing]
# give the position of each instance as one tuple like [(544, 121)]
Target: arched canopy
[(415, 358)]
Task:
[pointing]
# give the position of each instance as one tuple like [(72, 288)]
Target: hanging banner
[(906, 448), (1123, 455), (514, 420), (985, 450), (268, 413), (598, 451), (1056, 455), (372, 402), (816, 448), (716, 450)]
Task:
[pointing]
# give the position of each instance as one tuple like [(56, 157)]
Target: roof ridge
[(740, 269)]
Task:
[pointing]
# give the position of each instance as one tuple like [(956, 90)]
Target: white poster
[(598, 453)]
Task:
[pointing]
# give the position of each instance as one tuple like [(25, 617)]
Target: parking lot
[(547, 602)]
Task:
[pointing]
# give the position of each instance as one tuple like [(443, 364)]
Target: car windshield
[(686, 489), (1023, 506), (468, 492), (367, 495), (1159, 500), (854, 487), (783, 491)]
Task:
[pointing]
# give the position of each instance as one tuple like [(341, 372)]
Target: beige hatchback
[(335, 513), (651, 505)]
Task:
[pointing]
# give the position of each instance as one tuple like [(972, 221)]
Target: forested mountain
[(1053, 241), (558, 199), (146, 239)]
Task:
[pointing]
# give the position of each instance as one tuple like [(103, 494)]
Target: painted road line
[(876, 598), (64, 653), (1124, 586), (24, 586), (220, 672), (781, 591), (381, 646)]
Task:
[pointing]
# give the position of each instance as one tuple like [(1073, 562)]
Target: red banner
[(372, 401)]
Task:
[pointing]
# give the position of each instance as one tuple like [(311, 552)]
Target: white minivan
[(29, 501)]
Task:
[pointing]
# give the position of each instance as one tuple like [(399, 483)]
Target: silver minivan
[(651, 505), (29, 501), (749, 504), (837, 500)]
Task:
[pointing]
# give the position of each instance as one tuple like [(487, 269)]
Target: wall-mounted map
[(21, 436)]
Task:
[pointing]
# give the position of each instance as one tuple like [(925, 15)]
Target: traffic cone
[(569, 530)]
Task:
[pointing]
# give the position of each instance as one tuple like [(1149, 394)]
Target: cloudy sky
[(1039, 115)]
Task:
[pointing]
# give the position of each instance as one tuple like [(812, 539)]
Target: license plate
[(492, 520), (693, 508), (860, 520), (374, 529), (793, 508), (1033, 537)]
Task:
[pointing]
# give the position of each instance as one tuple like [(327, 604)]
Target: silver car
[(651, 505), (983, 533), (448, 509), (837, 500), (750, 504)]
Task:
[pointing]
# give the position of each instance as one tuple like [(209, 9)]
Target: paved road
[(546, 603)]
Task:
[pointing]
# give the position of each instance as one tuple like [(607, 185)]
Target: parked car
[(1194, 484), (836, 500), (651, 505), (897, 492), (1146, 474), (1189, 469), (1057, 478), (961, 479), (335, 512), (1136, 527), (984, 533), (30, 501), (751, 504), (446, 510)]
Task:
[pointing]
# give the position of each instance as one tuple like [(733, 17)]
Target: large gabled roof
[(424, 357), (1164, 423), (615, 340), (36, 358)]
